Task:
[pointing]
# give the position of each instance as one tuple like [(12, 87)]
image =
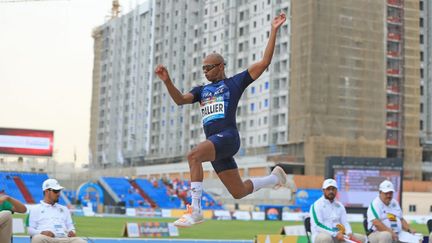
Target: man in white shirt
[(384, 216), (329, 219), (50, 222)]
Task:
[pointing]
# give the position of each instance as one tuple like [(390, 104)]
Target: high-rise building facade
[(426, 86), (354, 82), (344, 80), (122, 70), (134, 120)]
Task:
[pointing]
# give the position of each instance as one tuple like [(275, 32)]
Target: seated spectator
[(384, 216), (8, 205), (50, 222), (329, 218)]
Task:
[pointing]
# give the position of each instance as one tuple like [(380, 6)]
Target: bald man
[(218, 102)]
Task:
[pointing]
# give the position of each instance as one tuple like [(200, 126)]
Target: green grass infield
[(210, 229)]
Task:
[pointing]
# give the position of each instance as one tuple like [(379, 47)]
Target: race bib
[(59, 231), (212, 109)]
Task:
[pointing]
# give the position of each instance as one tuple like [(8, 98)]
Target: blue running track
[(26, 239)]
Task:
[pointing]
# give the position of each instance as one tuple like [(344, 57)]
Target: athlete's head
[(386, 190), (51, 190), (329, 188), (214, 67)]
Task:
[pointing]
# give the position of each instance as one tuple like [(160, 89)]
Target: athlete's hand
[(47, 233), (340, 236), (162, 73), (3, 198), (394, 236), (278, 20)]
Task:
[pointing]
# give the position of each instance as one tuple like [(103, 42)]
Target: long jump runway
[(26, 239)]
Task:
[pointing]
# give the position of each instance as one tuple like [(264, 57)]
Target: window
[(253, 90), (252, 107), (412, 208), (266, 85), (266, 103)]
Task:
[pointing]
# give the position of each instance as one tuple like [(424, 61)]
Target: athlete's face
[(330, 193), (213, 68), (51, 196), (386, 197)]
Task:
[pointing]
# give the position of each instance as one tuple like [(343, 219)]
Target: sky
[(46, 62)]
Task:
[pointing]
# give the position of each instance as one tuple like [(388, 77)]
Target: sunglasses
[(209, 67), (55, 191)]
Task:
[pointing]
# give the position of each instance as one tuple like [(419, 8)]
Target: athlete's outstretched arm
[(258, 68), (176, 95)]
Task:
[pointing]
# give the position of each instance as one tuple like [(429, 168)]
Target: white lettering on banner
[(25, 142), (212, 111)]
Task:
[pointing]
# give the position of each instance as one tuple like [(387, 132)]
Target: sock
[(261, 182), (196, 193)]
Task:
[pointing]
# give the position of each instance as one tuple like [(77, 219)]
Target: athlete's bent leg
[(239, 189), (203, 152), (233, 182)]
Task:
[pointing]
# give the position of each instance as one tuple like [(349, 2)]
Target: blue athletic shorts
[(226, 143)]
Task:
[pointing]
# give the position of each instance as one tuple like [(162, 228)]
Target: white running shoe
[(280, 174), (189, 219)]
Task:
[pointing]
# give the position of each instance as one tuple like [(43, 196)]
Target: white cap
[(386, 186), (51, 184), (329, 182)]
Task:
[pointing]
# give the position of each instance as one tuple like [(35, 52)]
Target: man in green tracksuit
[(8, 205)]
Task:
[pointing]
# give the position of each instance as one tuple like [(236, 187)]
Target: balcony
[(395, 3), (392, 124), (393, 89), (394, 36), (392, 107), (393, 54), (394, 20), (392, 142), (393, 72)]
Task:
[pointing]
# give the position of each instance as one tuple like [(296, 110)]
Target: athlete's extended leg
[(204, 151), (239, 189)]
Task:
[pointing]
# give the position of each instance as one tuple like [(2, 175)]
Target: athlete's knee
[(385, 236), (323, 238), (78, 240), (193, 156), (238, 194), (38, 239), (6, 215)]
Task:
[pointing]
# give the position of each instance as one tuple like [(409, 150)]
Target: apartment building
[(425, 24), (355, 82), (134, 121), (344, 80)]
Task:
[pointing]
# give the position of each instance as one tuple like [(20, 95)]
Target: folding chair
[(307, 226), (429, 225)]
